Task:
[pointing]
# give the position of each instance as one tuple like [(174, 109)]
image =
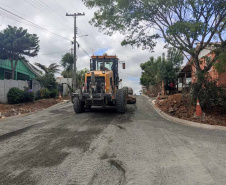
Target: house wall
[(5, 85), (21, 68), (1, 73), (222, 79), (64, 81), (212, 73)]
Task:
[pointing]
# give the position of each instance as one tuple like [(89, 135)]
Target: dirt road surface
[(99, 147)]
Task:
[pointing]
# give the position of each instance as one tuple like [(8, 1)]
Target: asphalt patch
[(49, 151)]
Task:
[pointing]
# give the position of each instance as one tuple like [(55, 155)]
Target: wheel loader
[(101, 86)]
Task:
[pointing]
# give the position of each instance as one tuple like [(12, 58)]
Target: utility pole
[(75, 42)]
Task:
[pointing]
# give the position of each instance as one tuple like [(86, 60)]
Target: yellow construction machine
[(101, 87)]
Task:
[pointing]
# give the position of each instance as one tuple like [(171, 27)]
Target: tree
[(181, 24), (80, 76), (53, 68), (162, 69), (66, 74), (151, 74), (15, 44), (67, 62), (48, 81)]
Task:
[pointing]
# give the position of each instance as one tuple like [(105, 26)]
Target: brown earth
[(179, 105), (22, 108)]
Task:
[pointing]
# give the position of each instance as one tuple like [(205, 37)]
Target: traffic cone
[(198, 112), (158, 97), (60, 98)]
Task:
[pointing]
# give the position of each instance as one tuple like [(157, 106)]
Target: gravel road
[(100, 147)]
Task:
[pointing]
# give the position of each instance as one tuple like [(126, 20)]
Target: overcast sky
[(47, 19)]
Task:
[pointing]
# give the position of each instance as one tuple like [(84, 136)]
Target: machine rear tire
[(120, 101), (78, 106)]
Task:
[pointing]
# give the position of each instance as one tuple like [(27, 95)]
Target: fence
[(5, 85)]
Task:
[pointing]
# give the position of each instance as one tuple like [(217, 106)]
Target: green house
[(24, 70)]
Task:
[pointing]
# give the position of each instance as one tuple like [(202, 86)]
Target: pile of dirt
[(17, 109), (179, 105)]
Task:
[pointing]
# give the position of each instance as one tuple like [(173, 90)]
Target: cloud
[(51, 15)]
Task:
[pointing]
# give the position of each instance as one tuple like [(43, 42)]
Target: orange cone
[(60, 98), (198, 112), (158, 97)]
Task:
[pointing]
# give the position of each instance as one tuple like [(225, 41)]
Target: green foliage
[(220, 66), (53, 68), (29, 96), (210, 95), (16, 43), (49, 86), (161, 69), (67, 62), (38, 95), (53, 93), (15, 96), (45, 93), (182, 24), (66, 74), (48, 81), (80, 77), (152, 72)]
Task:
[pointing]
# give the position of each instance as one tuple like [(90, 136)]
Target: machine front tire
[(78, 106), (120, 101)]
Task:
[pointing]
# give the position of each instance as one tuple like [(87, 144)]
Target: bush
[(15, 96), (29, 96), (209, 94), (45, 93), (48, 81), (53, 93), (38, 95)]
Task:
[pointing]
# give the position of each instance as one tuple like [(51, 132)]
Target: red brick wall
[(212, 73)]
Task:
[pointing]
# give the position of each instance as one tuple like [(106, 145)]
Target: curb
[(182, 121), (27, 114)]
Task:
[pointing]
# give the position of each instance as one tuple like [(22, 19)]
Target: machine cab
[(105, 63)]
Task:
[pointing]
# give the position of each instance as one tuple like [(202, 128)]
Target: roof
[(32, 68), (104, 56)]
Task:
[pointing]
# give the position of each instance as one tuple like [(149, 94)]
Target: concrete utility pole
[(75, 42)]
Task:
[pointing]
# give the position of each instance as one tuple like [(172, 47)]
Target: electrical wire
[(52, 10), (55, 52), (14, 10), (46, 12), (33, 24), (84, 50)]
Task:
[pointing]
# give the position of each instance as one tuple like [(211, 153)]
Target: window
[(107, 65), (8, 75)]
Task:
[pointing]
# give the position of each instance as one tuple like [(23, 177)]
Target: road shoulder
[(182, 121)]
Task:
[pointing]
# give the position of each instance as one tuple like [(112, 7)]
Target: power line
[(41, 8), (13, 10), (84, 50), (52, 10), (55, 52), (33, 24)]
